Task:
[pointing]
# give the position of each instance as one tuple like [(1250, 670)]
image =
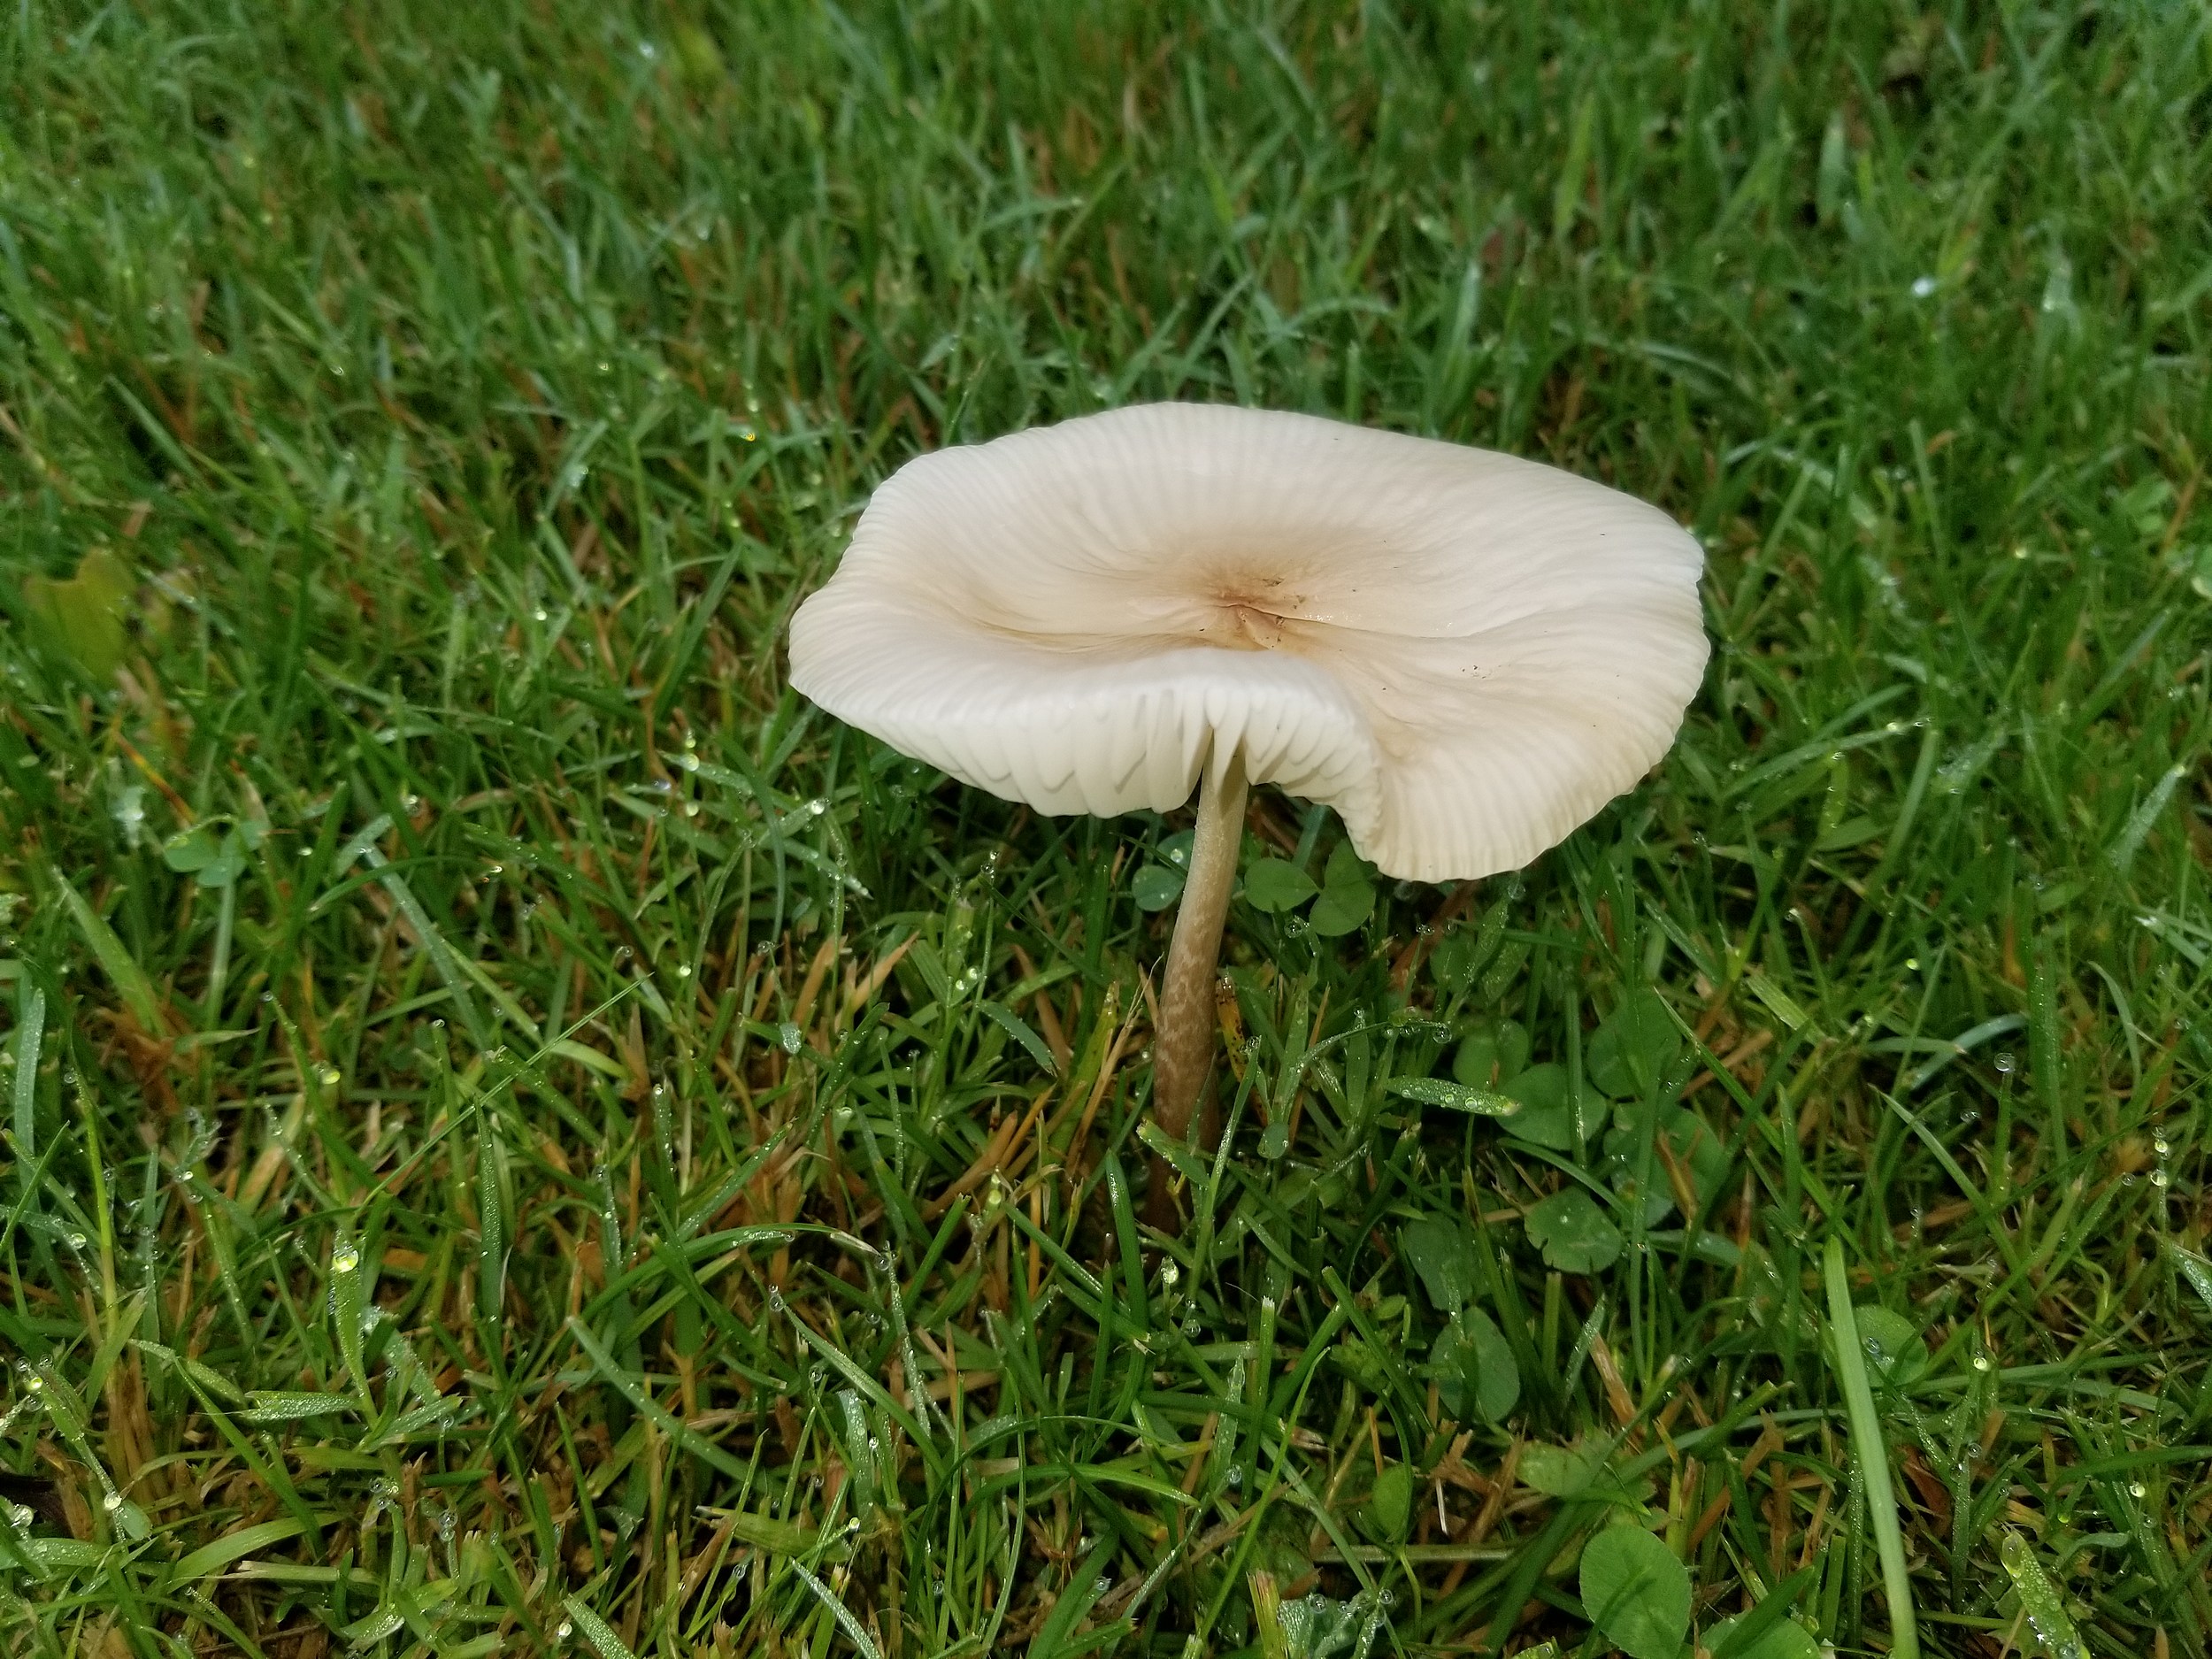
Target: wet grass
[(523, 1134)]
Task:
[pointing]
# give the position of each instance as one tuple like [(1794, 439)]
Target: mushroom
[(1464, 654)]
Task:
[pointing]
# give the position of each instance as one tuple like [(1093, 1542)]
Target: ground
[(524, 1136)]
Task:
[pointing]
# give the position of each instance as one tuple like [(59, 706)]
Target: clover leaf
[(1573, 1233), (1636, 1593), (1633, 1048), (215, 857), (1389, 1512), (1895, 1355), (1547, 1117), (1347, 894), (82, 614), (1156, 886), (1444, 1256), (1474, 1367), (1276, 885)]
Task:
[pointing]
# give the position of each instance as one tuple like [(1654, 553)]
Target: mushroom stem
[(1183, 1048)]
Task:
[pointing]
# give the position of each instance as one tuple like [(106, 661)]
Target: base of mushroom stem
[(1162, 1212)]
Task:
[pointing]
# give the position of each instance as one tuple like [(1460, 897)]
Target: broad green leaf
[(1156, 886), (1895, 1355), (1347, 894), (1275, 885), (1474, 1368), (1579, 1470), (230, 864), (1785, 1639), (1491, 1053), (1755, 1634), (1388, 1512), (1636, 1593), (1362, 1365), (1341, 909), (193, 850), (1631, 1051), (1573, 1233), (1475, 1064), (1547, 1117), (1444, 1256), (699, 57), (1695, 1147), (1346, 867), (82, 614)]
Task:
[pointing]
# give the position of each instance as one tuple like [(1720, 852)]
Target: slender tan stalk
[(1183, 1048)]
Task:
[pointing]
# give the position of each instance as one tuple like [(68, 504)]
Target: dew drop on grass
[(327, 1076), (2005, 1060), (345, 1259), (564, 1631), (113, 1501), (2138, 1489), (1982, 1362)]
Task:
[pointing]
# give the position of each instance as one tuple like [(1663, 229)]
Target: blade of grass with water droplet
[(595, 1630), (29, 1030), (2040, 1599), (2132, 833), (2193, 1268), (130, 979), (1849, 1360)]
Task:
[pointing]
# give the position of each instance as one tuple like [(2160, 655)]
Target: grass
[(524, 1136)]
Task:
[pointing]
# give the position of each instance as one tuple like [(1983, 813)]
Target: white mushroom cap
[(1466, 655)]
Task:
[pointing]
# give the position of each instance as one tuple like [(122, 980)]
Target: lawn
[(522, 1136)]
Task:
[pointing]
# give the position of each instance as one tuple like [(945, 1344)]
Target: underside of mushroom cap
[(1465, 654)]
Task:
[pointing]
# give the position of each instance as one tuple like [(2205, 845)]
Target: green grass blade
[(1867, 1445)]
